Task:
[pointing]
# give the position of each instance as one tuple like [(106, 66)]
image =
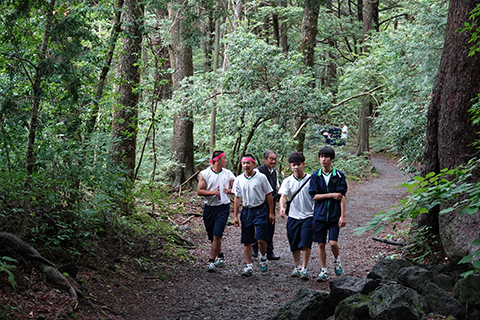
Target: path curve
[(192, 293)]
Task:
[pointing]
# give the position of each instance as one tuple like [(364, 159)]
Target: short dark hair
[(296, 157), (267, 153), (327, 152), (216, 154), (248, 155)]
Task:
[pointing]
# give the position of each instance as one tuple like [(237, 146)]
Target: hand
[(236, 223), (336, 196), (342, 222), (282, 213), (272, 218), (227, 191)]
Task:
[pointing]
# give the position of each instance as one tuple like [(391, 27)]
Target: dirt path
[(192, 293)]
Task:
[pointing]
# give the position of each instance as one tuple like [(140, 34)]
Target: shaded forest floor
[(131, 289)]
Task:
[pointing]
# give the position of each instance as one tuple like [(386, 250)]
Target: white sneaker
[(338, 267), (323, 276)]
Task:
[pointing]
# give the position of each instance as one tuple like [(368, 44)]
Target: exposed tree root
[(13, 245)]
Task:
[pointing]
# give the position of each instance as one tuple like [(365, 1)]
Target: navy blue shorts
[(254, 222), (215, 219), (300, 234), (320, 229)]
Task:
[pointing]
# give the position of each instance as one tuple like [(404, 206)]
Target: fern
[(6, 267)]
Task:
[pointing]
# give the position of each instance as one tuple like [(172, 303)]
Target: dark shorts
[(215, 219), (320, 229), (254, 222), (299, 233)]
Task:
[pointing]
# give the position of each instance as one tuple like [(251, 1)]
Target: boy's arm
[(201, 188), (236, 206), (283, 202), (343, 205), (270, 208)]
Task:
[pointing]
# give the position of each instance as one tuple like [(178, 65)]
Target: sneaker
[(211, 267), (304, 274), (247, 272), (323, 276), (263, 264), (219, 261), (338, 267), (296, 272)]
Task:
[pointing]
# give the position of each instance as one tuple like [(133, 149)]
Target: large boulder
[(446, 275), (441, 302), (353, 308), (397, 302), (467, 290), (345, 287), (458, 231), (414, 277), (387, 269), (307, 304)]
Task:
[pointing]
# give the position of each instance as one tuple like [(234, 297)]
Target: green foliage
[(6, 267), (402, 64), (473, 27), (423, 248), (453, 189)]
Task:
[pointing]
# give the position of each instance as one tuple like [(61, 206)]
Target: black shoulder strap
[(299, 189)]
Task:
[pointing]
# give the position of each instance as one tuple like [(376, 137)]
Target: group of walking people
[(314, 204)]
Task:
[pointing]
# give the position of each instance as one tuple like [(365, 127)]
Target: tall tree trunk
[(182, 63), (450, 132), (370, 15), (208, 35), (32, 129), (236, 16), (213, 111), (311, 10), (125, 115), (283, 31), (106, 67)]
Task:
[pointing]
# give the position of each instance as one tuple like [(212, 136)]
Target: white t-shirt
[(216, 181), (302, 205), (253, 190)]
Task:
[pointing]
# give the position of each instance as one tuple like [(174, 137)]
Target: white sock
[(263, 257), (324, 269), (250, 266)]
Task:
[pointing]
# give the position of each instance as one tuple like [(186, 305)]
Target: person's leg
[(262, 247), (306, 252), (216, 247), (296, 257), (220, 221), (247, 248), (271, 233), (335, 248), (322, 255)]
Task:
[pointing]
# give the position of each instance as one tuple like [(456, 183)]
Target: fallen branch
[(394, 243)]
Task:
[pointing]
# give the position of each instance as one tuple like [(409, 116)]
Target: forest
[(109, 109)]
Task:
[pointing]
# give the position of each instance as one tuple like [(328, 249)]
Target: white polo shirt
[(216, 181), (252, 190), (302, 205)]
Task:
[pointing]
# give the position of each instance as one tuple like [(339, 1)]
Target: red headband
[(248, 159), (217, 157)]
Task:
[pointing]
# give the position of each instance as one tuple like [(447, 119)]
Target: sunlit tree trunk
[(450, 132), (125, 114), (182, 64)]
